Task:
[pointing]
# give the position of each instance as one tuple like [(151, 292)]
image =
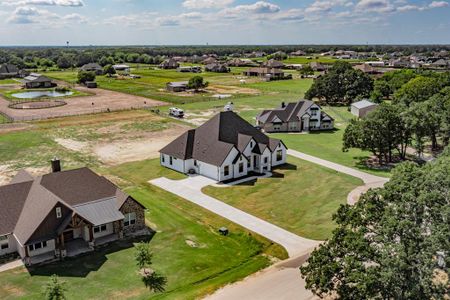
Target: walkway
[(191, 189), (11, 265), (370, 181)]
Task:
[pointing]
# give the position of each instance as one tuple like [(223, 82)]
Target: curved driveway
[(191, 189)]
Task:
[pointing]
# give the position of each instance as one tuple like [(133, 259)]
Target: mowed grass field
[(328, 144), (301, 197), (111, 273)]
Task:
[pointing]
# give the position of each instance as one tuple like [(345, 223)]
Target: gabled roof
[(35, 77), (8, 69), (27, 201), (92, 66), (212, 142), (291, 112)]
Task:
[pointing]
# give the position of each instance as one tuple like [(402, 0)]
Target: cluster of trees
[(62, 57), (420, 112), (341, 85), (197, 83), (393, 244)]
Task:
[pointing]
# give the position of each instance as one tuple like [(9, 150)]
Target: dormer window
[(58, 213)]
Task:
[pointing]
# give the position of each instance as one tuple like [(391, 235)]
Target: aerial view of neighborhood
[(224, 149)]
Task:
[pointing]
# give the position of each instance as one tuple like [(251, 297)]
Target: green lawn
[(111, 273), (328, 144), (301, 197), (8, 81), (191, 271)]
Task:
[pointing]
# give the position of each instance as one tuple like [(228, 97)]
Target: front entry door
[(68, 235)]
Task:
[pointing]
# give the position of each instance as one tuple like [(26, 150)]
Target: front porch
[(79, 246)]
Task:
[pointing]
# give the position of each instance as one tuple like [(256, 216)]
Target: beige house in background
[(301, 116)]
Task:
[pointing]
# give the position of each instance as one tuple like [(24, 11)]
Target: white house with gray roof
[(224, 148)]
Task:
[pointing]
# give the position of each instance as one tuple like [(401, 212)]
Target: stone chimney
[(56, 165)]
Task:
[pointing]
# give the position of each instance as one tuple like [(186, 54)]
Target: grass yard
[(9, 94), (8, 81), (301, 197), (328, 144), (192, 271)]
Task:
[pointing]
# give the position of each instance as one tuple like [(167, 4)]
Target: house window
[(241, 167), (162, 158), (37, 246), (279, 155), (3, 238), (4, 246), (226, 171), (130, 219), (195, 162), (266, 160), (251, 144), (249, 164), (170, 160), (101, 228), (58, 213)]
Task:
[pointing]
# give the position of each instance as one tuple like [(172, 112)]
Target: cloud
[(168, 21), (71, 3), (438, 4), (377, 6), (257, 8), (204, 4)]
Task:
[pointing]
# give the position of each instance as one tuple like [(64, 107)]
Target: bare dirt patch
[(125, 147), (231, 89)]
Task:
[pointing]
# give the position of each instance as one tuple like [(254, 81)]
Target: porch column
[(62, 247), (91, 236)]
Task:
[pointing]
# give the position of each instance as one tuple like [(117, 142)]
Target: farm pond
[(41, 94)]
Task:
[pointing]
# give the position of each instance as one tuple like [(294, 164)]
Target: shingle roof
[(27, 201), (78, 186), (292, 111), (212, 142), (12, 200)]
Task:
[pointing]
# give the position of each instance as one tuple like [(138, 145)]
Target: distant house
[(362, 108), (298, 53), (318, 67), (378, 63), (35, 80), (301, 116), (266, 73), (237, 62), (217, 68), (8, 71), (122, 68), (223, 148), (63, 213), (179, 86), (441, 64), (368, 69), (190, 69), (209, 60), (93, 67), (169, 64), (272, 63)]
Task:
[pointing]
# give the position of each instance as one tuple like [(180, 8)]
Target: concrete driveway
[(191, 189), (370, 181)]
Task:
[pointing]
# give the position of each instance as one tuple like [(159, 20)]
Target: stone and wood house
[(301, 116), (8, 71), (62, 213), (224, 148), (92, 67)]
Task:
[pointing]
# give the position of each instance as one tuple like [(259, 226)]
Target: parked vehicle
[(176, 112)]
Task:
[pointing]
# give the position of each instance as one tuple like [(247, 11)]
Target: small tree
[(197, 83), (306, 71), (152, 280), (143, 255), (55, 289), (109, 70), (84, 76)]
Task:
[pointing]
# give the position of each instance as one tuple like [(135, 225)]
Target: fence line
[(79, 113)]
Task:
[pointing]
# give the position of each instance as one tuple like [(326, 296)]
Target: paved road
[(190, 189)]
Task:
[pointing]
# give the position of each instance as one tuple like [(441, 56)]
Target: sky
[(223, 22)]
